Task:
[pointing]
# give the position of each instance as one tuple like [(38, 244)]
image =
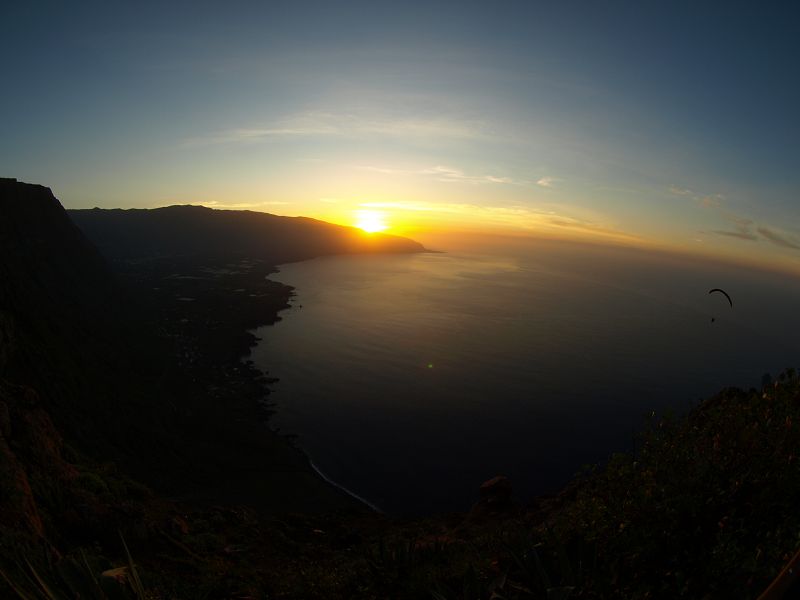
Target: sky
[(669, 125)]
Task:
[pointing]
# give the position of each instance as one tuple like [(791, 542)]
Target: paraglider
[(724, 293)]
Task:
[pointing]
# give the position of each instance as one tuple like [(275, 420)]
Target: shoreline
[(340, 487), (245, 358), (291, 295)]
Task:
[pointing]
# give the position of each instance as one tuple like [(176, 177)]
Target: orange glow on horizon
[(448, 225)]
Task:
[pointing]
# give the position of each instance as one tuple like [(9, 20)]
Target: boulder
[(495, 499)]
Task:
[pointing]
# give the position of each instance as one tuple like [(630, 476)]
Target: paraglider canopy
[(724, 293)]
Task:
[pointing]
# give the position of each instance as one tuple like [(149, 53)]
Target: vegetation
[(75, 577), (707, 507)]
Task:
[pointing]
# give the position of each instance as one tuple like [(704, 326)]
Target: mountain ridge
[(200, 231)]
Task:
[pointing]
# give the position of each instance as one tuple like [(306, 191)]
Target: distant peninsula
[(200, 232)]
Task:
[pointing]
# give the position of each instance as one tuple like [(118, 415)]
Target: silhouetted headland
[(200, 232)]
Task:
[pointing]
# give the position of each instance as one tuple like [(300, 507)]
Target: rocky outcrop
[(17, 505), (30, 453), (495, 499)]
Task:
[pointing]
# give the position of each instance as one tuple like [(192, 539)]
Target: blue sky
[(664, 124)]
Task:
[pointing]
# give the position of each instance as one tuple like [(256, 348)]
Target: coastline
[(290, 292), (201, 314), (338, 486)]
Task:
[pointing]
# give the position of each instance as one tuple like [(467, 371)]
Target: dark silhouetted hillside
[(86, 362), (65, 373), (196, 231), (61, 313)]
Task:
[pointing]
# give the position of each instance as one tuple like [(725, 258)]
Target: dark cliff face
[(57, 354), (46, 262), (67, 330), (194, 231), (56, 287)]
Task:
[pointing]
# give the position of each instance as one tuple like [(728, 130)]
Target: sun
[(371, 221)]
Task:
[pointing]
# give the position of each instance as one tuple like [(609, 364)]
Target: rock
[(5, 420), (495, 499), (179, 525), (496, 489)]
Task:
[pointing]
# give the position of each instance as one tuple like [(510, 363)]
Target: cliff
[(57, 301), (61, 371)]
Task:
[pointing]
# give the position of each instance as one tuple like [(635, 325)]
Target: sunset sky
[(666, 126)]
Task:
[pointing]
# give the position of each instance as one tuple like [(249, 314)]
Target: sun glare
[(371, 221)]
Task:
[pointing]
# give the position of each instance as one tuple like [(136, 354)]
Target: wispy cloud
[(517, 216), (242, 205), (453, 175), (421, 206), (447, 174), (679, 191), (547, 181), (702, 200), (383, 170), (742, 234), (779, 239), (321, 123), (746, 229), (592, 227), (710, 201), (743, 228)]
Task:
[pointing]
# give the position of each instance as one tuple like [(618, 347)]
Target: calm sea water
[(411, 379)]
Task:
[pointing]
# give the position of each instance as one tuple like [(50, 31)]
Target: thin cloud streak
[(329, 124), (520, 217), (547, 182), (777, 239), (744, 228), (447, 175), (702, 200), (242, 205), (742, 235), (453, 175)]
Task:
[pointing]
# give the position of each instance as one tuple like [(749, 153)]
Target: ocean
[(411, 379)]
